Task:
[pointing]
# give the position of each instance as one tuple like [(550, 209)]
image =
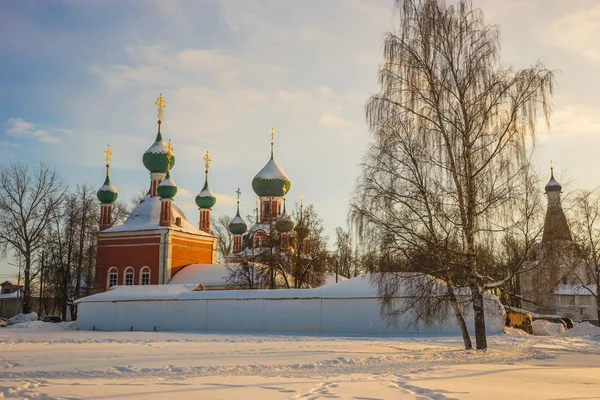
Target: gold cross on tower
[(160, 102), (207, 161), (107, 155)]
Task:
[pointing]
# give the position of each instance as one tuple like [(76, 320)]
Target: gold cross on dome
[(207, 161), (107, 155), (170, 149), (160, 102), (238, 193)]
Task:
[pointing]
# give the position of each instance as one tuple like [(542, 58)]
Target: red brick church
[(156, 240)]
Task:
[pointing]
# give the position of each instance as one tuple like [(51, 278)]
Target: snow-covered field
[(52, 361)]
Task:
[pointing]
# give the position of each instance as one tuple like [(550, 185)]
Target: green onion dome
[(285, 223), (271, 181), (167, 188), (107, 194), (155, 158), (206, 198), (302, 230), (237, 226)]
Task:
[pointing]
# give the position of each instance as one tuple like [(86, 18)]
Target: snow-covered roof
[(108, 188), (359, 287), (206, 274), (272, 170), (168, 182), (237, 220), (266, 227), (553, 185), (157, 148), (206, 193), (146, 216), (330, 279), (574, 290), (13, 295)]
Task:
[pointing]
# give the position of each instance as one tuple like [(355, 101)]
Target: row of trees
[(49, 230), (307, 266)]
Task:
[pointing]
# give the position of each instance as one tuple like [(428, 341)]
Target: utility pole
[(19, 299), (41, 298)]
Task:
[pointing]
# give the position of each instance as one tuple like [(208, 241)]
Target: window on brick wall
[(128, 276)]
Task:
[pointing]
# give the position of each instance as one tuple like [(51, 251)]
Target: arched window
[(128, 276), (259, 239), (145, 276), (112, 277)]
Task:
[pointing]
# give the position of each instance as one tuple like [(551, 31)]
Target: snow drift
[(351, 306), (546, 328), (19, 318)]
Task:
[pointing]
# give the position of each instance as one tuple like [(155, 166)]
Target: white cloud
[(20, 128), (578, 32), (333, 121)]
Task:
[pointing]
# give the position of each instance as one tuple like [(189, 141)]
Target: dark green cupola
[(167, 188), (271, 181), (155, 158), (285, 223), (107, 194), (237, 226), (206, 199)]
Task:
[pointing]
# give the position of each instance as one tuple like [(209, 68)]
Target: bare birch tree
[(27, 197), (458, 124)]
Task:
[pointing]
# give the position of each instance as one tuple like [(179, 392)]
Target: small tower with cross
[(156, 158), (237, 227), (167, 191), (107, 194), (206, 199)]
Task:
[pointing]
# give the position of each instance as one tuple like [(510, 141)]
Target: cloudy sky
[(78, 75)]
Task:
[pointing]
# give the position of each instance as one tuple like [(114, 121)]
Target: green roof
[(107, 194), (167, 188), (155, 158), (206, 198)]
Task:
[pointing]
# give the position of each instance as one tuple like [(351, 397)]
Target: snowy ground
[(45, 361)]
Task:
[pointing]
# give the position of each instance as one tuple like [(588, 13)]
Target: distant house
[(10, 299)]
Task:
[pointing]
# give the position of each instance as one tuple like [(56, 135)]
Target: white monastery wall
[(327, 315)]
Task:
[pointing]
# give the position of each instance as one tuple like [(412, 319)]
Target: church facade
[(273, 227), (551, 281), (156, 240)]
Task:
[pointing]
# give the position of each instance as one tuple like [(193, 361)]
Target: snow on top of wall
[(360, 287), (330, 279), (206, 274), (146, 216)]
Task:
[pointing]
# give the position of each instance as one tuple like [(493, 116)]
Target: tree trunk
[(479, 318), (459, 318), (27, 286)]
